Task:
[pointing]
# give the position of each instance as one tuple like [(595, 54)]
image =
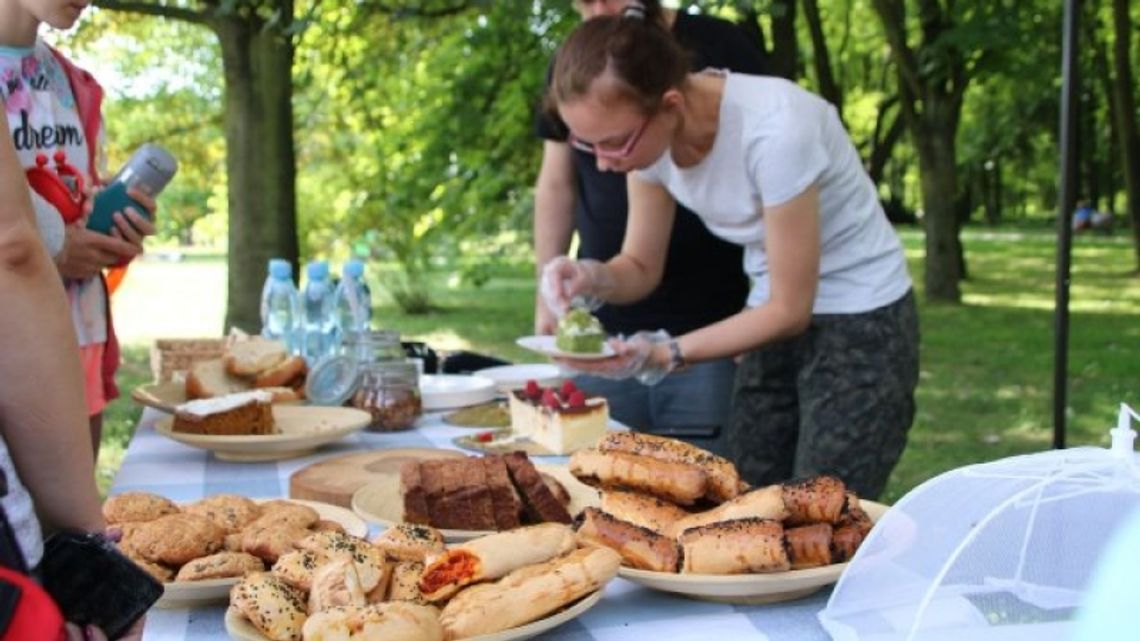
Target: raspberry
[(485, 437), (550, 400), (532, 390), (577, 399), (568, 388)]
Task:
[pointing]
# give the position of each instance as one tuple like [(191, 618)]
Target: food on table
[(740, 546), (409, 542), (130, 507), (528, 593), (638, 546), (486, 415), (405, 584), (176, 539), (269, 542), (561, 420), (493, 556), (669, 506), (274, 607), (335, 584), (642, 510), (395, 621), (367, 560), (296, 568), (250, 363), (243, 413), (579, 332), (495, 492), (221, 565), (231, 512), (287, 512)]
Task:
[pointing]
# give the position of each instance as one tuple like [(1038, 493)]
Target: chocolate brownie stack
[(481, 493)]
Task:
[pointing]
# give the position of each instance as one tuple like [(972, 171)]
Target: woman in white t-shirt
[(830, 334)]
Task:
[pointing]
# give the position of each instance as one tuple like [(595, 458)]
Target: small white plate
[(512, 377), (545, 345), (448, 391)]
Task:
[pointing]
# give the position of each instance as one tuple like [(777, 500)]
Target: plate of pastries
[(683, 521), (406, 584), (247, 363), (471, 496), (247, 426), (200, 549)]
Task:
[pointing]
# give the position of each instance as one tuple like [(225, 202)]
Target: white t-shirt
[(774, 140), (43, 119)]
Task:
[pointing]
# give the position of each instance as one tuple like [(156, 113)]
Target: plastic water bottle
[(279, 312), (318, 313), (353, 300)]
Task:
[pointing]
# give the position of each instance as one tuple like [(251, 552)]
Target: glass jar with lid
[(372, 346), (390, 392)]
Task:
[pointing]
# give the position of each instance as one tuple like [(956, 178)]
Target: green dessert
[(579, 332)]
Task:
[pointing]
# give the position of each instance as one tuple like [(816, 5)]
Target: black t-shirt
[(704, 278)]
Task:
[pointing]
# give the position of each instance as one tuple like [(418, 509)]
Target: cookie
[(222, 565), (178, 538), (137, 506), (270, 542), (230, 511), (282, 511)]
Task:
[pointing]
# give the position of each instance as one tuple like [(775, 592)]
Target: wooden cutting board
[(334, 480)]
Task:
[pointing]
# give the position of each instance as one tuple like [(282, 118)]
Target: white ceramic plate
[(747, 588), (545, 345), (512, 377), (189, 594), (448, 391), (241, 629), (302, 430), (380, 501)]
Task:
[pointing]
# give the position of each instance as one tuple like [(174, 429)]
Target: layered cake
[(579, 332), (244, 413), (562, 420)]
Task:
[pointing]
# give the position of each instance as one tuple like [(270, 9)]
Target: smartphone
[(92, 582), (112, 199)]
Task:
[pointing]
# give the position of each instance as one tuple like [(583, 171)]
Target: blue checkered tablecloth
[(627, 611)]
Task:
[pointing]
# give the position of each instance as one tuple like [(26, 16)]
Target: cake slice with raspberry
[(562, 420)]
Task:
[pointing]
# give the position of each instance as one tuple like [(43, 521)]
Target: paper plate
[(189, 594), (240, 629), (380, 501), (448, 391), (747, 588), (302, 430), (545, 345), (512, 377)]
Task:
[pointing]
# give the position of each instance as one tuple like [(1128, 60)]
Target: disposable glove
[(570, 283)]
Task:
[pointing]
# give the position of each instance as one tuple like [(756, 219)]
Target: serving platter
[(748, 588), (190, 594), (545, 345), (380, 501), (302, 430), (240, 629)]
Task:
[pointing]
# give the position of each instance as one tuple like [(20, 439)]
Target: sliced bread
[(254, 355), (209, 379)]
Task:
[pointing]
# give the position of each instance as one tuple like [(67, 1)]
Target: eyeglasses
[(609, 151)]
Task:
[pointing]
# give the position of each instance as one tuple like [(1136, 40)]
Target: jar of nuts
[(389, 390)]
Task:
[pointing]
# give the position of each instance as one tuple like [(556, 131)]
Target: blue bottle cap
[(280, 269), (353, 269), (332, 380), (318, 270)]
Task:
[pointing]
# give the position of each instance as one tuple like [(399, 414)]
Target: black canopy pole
[(1070, 82)]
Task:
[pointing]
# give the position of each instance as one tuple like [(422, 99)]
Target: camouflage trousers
[(838, 399)]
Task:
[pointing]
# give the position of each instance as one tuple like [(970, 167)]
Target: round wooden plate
[(335, 479), (747, 588), (302, 430), (380, 501)]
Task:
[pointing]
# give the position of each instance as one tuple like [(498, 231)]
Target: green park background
[(401, 132)]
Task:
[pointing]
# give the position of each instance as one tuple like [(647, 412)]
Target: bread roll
[(743, 546), (820, 499), (639, 547), (335, 583), (681, 483), (764, 503), (376, 622), (723, 480), (493, 556), (409, 542), (271, 605), (642, 510), (528, 593)]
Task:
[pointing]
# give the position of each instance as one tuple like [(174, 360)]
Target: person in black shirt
[(703, 280)]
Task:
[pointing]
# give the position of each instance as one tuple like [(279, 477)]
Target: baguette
[(809, 546), (681, 483), (642, 510), (743, 546), (723, 480), (493, 556), (639, 547), (819, 499), (528, 593), (764, 503)]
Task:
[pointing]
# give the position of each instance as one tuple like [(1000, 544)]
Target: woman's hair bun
[(634, 10)]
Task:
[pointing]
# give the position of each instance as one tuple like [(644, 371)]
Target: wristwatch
[(676, 358)]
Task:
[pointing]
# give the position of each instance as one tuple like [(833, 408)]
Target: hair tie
[(634, 10)]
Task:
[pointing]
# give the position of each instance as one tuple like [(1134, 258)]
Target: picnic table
[(156, 464)]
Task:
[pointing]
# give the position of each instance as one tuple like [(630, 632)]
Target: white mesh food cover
[(1001, 550)]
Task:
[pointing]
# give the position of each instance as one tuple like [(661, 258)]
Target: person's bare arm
[(554, 195), (42, 411)]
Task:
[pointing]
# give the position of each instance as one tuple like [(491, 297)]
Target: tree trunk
[(933, 137), (783, 56), (883, 144), (260, 163), (828, 87), (1126, 128)]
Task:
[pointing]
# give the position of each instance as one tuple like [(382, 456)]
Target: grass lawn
[(986, 384)]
